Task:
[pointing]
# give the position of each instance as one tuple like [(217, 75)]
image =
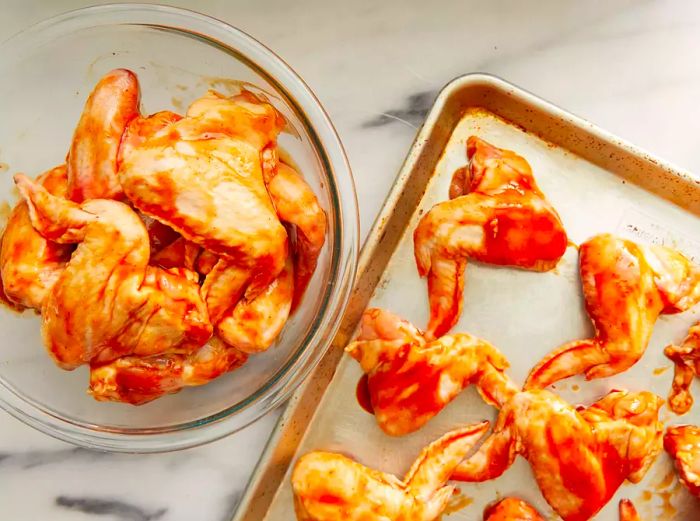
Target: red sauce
[(517, 236), (582, 480), (362, 394)]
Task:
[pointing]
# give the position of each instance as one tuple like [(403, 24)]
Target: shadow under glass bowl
[(47, 72)]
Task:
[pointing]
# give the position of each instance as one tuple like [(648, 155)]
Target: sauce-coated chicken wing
[(108, 302), (138, 380), (579, 457), (92, 159), (410, 380), (329, 486), (683, 445), (498, 215), (202, 176), (626, 287), (29, 263), (297, 205), (686, 358)]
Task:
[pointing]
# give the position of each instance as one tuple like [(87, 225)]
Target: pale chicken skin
[(627, 511), (108, 302), (579, 456), (683, 444), (29, 263), (686, 359), (626, 286), (512, 509), (497, 215), (329, 486), (138, 380), (202, 176), (410, 380), (92, 159)]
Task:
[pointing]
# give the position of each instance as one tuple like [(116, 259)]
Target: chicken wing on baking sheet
[(411, 379), (497, 215), (328, 486), (579, 456), (626, 287), (686, 359)]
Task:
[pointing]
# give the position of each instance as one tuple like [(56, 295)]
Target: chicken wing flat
[(579, 456), (626, 286), (329, 486), (498, 215), (410, 380)]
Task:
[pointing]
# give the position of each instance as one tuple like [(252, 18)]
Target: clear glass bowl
[(46, 72)]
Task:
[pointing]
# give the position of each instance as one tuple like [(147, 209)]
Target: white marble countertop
[(632, 67)]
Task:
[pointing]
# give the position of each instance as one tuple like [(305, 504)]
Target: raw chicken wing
[(29, 263), (92, 159), (579, 456), (254, 324), (410, 380), (202, 176), (138, 380), (498, 215), (512, 509), (108, 302), (686, 358), (626, 287), (683, 445), (329, 486), (297, 205)]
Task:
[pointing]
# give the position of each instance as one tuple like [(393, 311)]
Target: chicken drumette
[(410, 380), (497, 215), (579, 456), (626, 287), (329, 486), (92, 159), (683, 445)]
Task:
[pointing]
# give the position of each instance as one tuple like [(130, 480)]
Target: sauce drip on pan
[(362, 394)]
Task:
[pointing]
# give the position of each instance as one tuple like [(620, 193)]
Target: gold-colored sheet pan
[(597, 183)]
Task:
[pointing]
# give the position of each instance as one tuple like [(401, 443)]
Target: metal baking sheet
[(598, 183)]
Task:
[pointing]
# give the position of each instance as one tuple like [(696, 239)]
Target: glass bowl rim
[(343, 255)]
